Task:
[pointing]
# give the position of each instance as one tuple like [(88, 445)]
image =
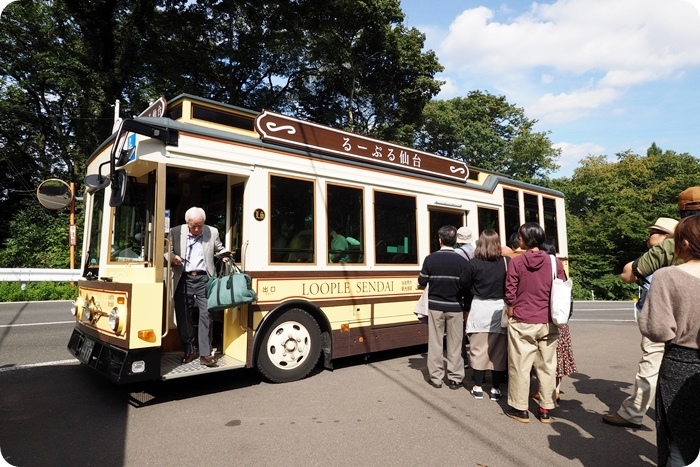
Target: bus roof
[(216, 120)]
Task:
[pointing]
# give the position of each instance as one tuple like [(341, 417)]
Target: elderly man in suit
[(194, 247)]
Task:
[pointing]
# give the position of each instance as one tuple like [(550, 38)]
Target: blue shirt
[(194, 258)]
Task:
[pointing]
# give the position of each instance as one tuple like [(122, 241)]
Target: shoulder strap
[(460, 251), (554, 267)]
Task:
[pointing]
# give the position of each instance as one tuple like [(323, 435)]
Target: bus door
[(438, 218), (186, 188)]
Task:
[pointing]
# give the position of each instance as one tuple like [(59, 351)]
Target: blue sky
[(603, 76)]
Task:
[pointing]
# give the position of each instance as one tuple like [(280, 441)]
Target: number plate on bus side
[(86, 350)]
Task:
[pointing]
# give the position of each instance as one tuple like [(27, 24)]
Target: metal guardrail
[(39, 275)]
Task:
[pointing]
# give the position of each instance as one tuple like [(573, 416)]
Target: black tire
[(290, 347)]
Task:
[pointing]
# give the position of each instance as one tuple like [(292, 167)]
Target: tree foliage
[(348, 64), (38, 238), (611, 204), (63, 64), (487, 132)]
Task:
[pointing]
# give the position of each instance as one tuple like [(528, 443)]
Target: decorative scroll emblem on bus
[(290, 131)]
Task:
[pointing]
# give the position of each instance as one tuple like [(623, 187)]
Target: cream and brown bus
[(331, 226)]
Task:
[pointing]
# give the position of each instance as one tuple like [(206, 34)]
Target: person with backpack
[(465, 243)]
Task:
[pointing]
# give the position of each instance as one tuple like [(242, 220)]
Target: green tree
[(55, 99), (348, 64), (486, 131), (38, 238), (63, 64), (610, 204)]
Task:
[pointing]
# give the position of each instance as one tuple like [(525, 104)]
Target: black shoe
[(520, 415), (187, 358), (616, 419), (454, 384), (435, 385), (207, 361), (544, 416)]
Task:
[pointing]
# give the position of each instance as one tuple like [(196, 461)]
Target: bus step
[(171, 367)]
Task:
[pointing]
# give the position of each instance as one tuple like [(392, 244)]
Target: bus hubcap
[(289, 345)]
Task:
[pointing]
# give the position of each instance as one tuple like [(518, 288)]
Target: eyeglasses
[(657, 232)]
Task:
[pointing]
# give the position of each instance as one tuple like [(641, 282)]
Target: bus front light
[(114, 321), (138, 366), (147, 335), (77, 306)]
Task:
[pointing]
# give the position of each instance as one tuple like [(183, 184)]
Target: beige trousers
[(636, 405), (532, 345), (450, 325)]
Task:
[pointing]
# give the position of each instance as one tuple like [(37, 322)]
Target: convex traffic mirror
[(54, 194)]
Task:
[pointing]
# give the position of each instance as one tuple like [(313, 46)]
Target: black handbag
[(231, 287)]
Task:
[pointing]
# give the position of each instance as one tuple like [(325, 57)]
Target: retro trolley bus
[(280, 191)]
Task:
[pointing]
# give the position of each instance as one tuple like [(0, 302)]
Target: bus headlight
[(77, 306), (114, 320)]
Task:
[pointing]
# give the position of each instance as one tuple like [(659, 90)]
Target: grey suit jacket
[(210, 241)]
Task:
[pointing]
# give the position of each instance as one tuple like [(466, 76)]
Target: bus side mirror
[(95, 182), (118, 189)]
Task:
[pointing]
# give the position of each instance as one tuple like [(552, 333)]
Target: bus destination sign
[(290, 131)]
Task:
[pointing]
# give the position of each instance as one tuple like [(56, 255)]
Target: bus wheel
[(290, 347)]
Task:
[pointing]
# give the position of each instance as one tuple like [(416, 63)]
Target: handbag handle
[(226, 268)]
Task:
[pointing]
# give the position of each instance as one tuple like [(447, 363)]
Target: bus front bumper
[(119, 365)]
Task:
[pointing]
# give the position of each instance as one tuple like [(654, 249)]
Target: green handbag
[(230, 288)]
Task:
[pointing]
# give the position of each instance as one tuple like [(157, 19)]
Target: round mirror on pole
[(54, 194)]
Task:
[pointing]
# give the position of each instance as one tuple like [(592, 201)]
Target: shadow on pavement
[(61, 415)]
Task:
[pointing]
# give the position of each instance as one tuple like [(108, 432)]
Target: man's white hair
[(194, 213)]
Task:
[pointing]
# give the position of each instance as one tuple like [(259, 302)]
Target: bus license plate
[(86, 350)]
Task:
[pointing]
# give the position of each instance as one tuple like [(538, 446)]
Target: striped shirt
[(442, 271)]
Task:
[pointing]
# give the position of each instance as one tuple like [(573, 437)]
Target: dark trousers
[(192, 291)]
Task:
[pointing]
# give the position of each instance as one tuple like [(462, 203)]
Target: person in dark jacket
[(532, 337), (441, 270), (484, 279)]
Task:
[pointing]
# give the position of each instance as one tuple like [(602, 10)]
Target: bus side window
[(345, 228), (291, 217), (301, 247)]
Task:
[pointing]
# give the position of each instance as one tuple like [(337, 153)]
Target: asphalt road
[(377, 411)]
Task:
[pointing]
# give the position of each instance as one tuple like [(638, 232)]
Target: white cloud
[(571, 154), (564, 59), (695, 3), (567, 106), (448, 90)]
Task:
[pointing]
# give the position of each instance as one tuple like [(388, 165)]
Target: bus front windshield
[(130, 239)]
